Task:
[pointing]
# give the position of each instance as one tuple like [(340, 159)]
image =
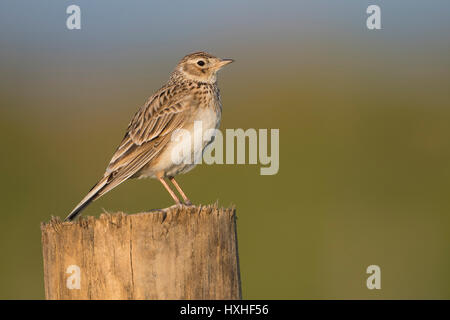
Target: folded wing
[(148, 133)]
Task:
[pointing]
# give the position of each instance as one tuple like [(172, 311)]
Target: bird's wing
[(148, 133)]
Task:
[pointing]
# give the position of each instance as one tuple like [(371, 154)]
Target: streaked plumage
[(191, 94)]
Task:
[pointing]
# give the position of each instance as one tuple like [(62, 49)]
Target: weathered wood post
[(174, 253)]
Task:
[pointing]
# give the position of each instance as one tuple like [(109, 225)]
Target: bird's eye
[(201, 63)]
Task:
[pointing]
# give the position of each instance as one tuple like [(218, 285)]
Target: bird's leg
[(186, 200), (174, 196)]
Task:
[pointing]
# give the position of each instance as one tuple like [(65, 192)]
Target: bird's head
[(200, 66)]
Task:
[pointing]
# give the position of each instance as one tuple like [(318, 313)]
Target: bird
[(147, 150)]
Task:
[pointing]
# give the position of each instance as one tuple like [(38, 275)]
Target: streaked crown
[(199, 66)]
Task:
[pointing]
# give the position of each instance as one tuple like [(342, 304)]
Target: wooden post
[(175, 253)]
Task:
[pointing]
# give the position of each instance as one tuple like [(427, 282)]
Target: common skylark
[(190, 95)]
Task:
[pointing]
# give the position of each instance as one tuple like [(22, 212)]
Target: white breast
[(205, 123), (185, 150)]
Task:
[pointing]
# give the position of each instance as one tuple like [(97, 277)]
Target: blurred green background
[(364, 119)]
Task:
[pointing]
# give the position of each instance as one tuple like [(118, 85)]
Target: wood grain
[(174, 253)]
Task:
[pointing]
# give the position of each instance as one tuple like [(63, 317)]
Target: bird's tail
[(91, 196)]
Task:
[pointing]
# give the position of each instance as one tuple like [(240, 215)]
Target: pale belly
[(185, 150)]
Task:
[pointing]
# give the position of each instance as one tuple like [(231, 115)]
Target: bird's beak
[(223, 62)]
